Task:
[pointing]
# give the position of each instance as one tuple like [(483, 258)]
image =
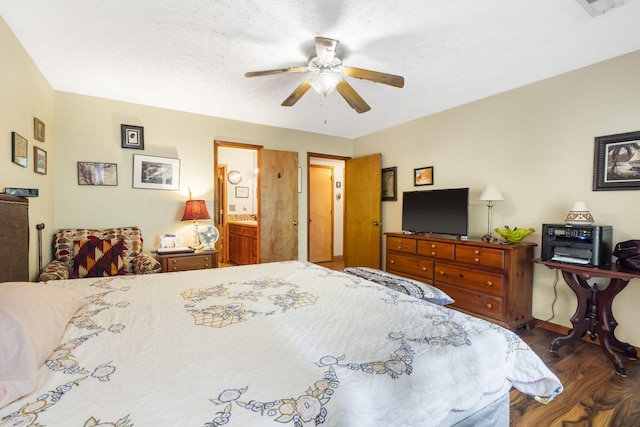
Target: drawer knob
[(433, 246), (206, 258), (476, 259), (476, 252), (392, 262), (433, 253), (489, 283), (424, 268), (174, 261), (400, 247), (441, 273), (489, 305)]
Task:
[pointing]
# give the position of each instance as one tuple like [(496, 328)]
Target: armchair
[(119, 252)]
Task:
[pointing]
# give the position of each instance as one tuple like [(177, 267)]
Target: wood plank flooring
[(593, 396)]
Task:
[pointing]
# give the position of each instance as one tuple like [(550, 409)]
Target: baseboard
[(563, 330)]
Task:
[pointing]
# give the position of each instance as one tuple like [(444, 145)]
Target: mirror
[(234, 177)]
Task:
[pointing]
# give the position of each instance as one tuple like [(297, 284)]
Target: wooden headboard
[(14, 239)]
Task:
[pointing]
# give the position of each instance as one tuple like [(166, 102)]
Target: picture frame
[(242, 192), (616, 162), (423, 176), (132, 136), (156, 173), (19, 146), (390, 184), (39, 160), (98, 174), (38, 129)]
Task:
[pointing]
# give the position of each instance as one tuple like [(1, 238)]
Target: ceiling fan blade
[(278, 71), (374, 76), (326, 49), (296, 94), (352, 97)]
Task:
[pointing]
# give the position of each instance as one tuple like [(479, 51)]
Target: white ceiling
[(191, 55)]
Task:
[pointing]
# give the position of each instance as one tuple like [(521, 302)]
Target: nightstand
[(197, 260)]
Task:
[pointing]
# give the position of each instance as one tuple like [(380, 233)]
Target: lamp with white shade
[(490, 194)]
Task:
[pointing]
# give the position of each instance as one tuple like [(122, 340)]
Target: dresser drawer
[(401, 244), (469, 279), (474, 302), (479, 255), (410, 265), (438, 250)]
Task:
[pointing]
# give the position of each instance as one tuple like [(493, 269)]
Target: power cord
[(553, 303)]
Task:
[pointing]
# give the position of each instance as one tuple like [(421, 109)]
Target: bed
[(262, 345)]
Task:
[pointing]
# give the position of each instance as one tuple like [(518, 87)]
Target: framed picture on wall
[(242, 192), (423, 176), (617, 162), (97, 173), (38, 129), (389, 184), (19, 154), (132, 136), (39, 160), (156, 173)]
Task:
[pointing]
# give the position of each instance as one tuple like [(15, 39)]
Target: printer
[(588, 245)]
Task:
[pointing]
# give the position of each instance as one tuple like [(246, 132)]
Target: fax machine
[(577, 244)]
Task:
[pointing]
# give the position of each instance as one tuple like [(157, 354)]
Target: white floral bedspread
[(289, 343)]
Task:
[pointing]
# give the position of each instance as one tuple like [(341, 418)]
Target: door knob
[(376, 223), (295, 222)]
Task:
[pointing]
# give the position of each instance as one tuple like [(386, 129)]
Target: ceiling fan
[(327, 73)]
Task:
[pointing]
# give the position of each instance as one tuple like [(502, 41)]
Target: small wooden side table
[(593, 313), (197, 260)]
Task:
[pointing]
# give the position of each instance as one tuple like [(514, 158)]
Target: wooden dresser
[(489, 280)]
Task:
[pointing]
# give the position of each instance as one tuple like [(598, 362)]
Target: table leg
[(580, 320), (607, 324)]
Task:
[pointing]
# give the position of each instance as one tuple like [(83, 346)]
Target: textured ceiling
[(191, 55)]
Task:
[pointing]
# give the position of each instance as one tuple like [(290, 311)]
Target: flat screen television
[(436, 211)]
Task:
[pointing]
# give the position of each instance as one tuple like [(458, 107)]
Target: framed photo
[(423, 176), (19, 146), (97, 173), (616, 164), (38, 129), (156, 173), (242, 192), (39, 160), (132, 136), (389, 184)]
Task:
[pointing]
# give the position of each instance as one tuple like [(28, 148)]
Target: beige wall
[(25, 94), (88, 129), (536, 143)]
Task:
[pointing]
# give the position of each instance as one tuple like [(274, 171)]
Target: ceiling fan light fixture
[(324, 80), (598, 7)]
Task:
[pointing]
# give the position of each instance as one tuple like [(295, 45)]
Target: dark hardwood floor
[(594, 395)]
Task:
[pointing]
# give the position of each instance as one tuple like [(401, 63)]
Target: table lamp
[(489, 194), (195, 210)]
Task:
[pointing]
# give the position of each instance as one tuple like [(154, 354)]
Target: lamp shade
[(195, 210), (491, 192)]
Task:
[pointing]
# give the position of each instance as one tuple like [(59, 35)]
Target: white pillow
[(33, 318)]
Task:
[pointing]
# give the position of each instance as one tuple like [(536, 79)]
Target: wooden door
[(278, 238), (363, 211), (320, 213), (220, 214)]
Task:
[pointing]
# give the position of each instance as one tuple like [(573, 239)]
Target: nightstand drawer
[(192, 261), (469, 279), (474, 302), (478, 255), (410, 265)]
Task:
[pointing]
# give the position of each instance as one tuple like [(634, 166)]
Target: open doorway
[(325, 229)]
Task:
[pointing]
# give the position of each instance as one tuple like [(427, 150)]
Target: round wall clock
[(234, 177)]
